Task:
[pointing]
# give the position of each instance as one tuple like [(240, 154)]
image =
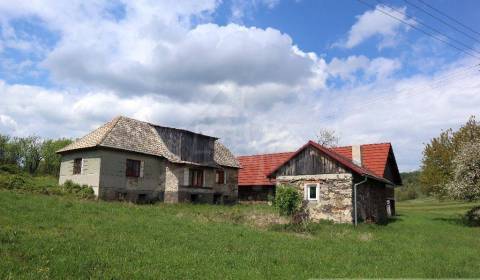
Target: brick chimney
[(357, 154)]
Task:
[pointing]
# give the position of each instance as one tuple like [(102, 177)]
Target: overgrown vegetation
[(287, 200), (63, 238)]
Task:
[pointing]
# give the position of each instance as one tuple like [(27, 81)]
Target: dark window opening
[(77, 166), (217, 198), (194, 198), (220, 177), (142, 198), (196, 177), (133, 168)]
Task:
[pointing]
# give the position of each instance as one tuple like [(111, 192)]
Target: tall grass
[(60, 237)]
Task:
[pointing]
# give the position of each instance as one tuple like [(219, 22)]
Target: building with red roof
[(317, 165)]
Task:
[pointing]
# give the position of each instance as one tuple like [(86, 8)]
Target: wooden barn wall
[(187, 145), (310, 161)]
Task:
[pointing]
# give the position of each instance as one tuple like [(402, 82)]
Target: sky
[(262, 75)]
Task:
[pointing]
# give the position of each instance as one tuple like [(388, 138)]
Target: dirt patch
[(365, 237)]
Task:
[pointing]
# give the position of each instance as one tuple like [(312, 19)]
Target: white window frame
[(307, 191)]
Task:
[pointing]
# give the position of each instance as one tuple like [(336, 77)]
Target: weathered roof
[(256, 168), (142, 137)]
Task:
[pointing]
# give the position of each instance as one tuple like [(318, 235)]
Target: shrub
[(9, 169), (472, 218), (287, 200), (17, 182), (85, 192)]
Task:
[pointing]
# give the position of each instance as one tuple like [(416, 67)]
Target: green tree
[(436, 164), (30, 153), (438, 155), (50, 159), (4, 139)]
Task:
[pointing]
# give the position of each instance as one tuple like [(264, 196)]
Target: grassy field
[(59, 237)]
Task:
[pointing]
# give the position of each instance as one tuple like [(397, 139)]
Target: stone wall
[(335, 195)]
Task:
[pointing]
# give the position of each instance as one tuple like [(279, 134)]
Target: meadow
[(62, 237)]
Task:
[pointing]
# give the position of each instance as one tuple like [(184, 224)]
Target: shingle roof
[(133, 135), (256, 168)]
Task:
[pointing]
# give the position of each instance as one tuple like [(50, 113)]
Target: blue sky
[(263, 75)]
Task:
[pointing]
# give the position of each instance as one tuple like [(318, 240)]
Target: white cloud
[(348, 68), (241, 9), (375, 23), (163, 62)]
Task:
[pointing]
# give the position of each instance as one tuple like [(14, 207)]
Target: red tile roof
[(256, 168)]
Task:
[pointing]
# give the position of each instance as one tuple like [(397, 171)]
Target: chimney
[(357, 154)]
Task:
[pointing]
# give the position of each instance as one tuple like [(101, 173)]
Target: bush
[(472, 218), (17, 182), (9, 169), (287, 200)]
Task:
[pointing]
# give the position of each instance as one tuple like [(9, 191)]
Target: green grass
[(59, 237)]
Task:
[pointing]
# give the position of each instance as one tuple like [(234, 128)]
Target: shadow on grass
[(458, 221)]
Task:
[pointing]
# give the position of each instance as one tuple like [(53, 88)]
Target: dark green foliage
[(472, 217), (32, 154), (438, 155), (9, 168), (287, 200), (50, 159)]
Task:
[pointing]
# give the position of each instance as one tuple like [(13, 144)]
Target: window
[(77, 166), (220, 177), (196, 177), (133, 168), (312, 191)]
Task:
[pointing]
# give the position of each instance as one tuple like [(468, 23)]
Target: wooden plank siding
[(310, 161), (188, 146)]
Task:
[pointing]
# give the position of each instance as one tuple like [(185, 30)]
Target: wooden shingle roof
[(141, 137)]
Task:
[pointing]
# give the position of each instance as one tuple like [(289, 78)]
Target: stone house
[(127, 159), (338, 184)]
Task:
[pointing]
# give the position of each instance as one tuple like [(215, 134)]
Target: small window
[(220, 177), (196, 177), (77, 166), (312, 192), (133, 168)]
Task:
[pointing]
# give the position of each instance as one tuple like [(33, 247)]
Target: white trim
[(82, 166), (307, 191), (142, 166)]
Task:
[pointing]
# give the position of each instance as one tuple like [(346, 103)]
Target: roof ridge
[(114, 123), (267, 154)]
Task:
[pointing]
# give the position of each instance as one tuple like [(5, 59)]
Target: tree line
[(32, 154)]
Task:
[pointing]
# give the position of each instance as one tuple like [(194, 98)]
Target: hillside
[(58, 237)]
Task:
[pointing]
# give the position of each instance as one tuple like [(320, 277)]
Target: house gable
[(309, 161)]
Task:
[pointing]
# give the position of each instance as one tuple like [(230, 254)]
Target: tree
[(436, 164), (50, 159), (438, 155), (465, 184), (30, 154), (4, 139), (327, 137)]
